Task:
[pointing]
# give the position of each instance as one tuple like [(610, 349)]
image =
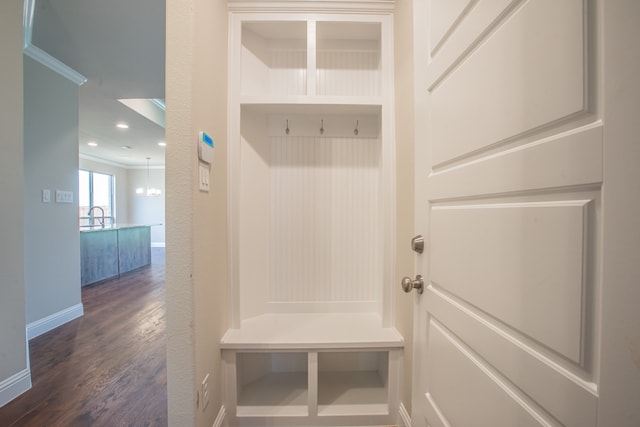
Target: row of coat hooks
[(355, 130)]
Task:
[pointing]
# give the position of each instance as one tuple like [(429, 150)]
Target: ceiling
[(119, 46)]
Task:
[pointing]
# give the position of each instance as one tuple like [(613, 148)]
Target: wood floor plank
[(107, 368)]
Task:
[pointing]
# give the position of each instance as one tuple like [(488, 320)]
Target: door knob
[(417, 244), (408, 284)]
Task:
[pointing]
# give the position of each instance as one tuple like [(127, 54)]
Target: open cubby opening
[(348, 59), (272, 383), (274, 58), (353, 383)]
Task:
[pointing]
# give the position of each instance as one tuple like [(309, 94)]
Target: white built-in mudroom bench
[(312, 216)]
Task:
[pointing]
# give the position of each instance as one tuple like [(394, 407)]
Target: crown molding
[(140, 167), (27, 21), (159, 103), (40, 55), (59, 67), (103, 161), (116, 164)]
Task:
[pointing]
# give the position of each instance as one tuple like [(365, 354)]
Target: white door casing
[(526, 317)]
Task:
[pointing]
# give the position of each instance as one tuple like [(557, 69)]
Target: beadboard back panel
[(324, 219), (352, 72)]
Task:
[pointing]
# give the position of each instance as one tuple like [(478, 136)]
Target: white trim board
[(14, 386), (219, 421), (51, 322), (40, 55), (362, 6), (27, 21), (49, 61), (404, 415)]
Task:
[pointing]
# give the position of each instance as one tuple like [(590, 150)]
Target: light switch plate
[(64, 196), (203, 178)]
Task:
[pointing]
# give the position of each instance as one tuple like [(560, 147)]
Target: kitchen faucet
[(101, 210)]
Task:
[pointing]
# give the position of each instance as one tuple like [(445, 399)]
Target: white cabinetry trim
[(219, 421), (372, 6), (404, 415)]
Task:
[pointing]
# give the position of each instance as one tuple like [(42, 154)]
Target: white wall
[(196, 286), (123, 192), (52, 239), (148, 210), (13, 355)]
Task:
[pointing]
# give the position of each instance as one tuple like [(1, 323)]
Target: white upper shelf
[(313, 104)]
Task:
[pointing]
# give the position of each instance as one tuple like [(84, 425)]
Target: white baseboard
[(14, 386), (48, 323), (219, 422), (404, 415)]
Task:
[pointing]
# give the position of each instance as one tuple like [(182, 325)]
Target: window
[(96, 190)]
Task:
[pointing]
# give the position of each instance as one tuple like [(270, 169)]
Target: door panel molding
[(550, 381), (533, 79), (475, 24), (488, 398), (451, 13), (518, 170), (530, 258)]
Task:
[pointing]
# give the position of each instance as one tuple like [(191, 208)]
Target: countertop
[(84, 229)]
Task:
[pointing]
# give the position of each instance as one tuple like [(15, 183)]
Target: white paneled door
[(525, 319)]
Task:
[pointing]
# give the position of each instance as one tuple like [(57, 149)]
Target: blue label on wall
[(207, 139)]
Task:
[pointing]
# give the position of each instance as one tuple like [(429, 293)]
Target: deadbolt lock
[(417, 244)]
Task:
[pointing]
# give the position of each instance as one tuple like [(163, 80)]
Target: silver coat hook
[(321, 127), (355, 131), (287, 129)]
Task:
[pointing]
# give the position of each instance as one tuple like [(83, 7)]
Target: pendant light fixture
[(151, 191)]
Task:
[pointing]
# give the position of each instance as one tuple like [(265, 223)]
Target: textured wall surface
[(196, 82), (179, 202), (403, 39)]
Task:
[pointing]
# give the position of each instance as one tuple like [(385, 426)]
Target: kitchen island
[(109, 251)]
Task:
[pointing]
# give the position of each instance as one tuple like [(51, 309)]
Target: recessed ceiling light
[(122, 125), (92, 144), (126, 147), (162, 144)]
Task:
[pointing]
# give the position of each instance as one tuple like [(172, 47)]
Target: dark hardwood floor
[(107, 368)]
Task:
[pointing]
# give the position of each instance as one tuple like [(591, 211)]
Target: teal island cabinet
[(113, 250)]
